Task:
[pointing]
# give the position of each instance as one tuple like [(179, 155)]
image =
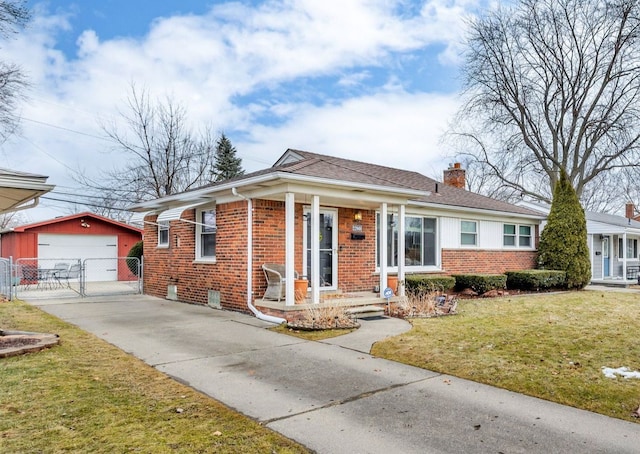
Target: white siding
[(490, 233)]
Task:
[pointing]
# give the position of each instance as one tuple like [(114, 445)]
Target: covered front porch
[(342, 266)]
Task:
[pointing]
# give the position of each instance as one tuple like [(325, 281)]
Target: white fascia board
[(601, 228), (480, 211)]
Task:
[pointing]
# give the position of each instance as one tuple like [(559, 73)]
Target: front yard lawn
[(551, 346), (86, 395)]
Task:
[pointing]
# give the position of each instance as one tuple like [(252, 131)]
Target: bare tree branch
[(553, 85), (162, 156)]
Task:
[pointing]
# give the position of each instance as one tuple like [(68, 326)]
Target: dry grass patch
[(86, 395), (550, 346)]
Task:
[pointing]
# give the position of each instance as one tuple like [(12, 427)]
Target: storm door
[(327, 241), (605, 256)]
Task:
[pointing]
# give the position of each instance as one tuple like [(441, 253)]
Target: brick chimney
[(629, 211), (455, 176)]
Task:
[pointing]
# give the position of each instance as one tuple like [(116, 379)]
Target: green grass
[(550, 346), (86, 395)]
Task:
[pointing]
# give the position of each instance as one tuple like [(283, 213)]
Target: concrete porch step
[(365, 311)]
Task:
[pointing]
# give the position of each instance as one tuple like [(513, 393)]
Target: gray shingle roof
[(313, 165), (435, 192)]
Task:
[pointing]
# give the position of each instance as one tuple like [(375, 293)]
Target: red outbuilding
[(79, 237)]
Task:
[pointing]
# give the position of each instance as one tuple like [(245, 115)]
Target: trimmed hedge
[(536, 279), (417, 283), (480, 283)]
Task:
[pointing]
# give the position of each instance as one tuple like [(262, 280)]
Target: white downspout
[(256, 312)]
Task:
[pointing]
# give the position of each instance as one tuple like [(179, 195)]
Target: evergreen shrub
[(480, 283), (536, 279), (417, 284)]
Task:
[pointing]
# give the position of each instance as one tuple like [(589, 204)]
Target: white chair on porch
[(276, 281)]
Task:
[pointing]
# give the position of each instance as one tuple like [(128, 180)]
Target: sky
[(369, 80)]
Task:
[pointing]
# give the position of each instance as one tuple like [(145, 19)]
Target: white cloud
[(206, 62)]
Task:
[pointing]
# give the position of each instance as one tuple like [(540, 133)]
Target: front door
[(326, 242), (605, 257)]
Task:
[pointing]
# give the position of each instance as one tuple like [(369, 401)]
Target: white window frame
[(530, 236), (474, 233), (200, 225), (390, 238), (518, 236), (513, 236), (632, 248), (163, 230)]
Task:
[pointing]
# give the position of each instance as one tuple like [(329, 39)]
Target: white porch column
[(382, 247), (624, 259), (315, 249), (290, 208), (401, 249)]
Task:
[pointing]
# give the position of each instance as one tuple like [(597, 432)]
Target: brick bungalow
[(208, 245)]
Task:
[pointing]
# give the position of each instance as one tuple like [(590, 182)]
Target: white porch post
[(401, 250), (315, 249), (624, 259), (383, 246), (290, 208)]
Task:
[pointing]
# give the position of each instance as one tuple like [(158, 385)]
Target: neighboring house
[(324, 217), (613, 244), (20, 190), (76, 237)]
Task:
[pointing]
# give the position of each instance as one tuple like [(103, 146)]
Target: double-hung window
[(516, 235), (468, 233), (163, 234), (206, 234)]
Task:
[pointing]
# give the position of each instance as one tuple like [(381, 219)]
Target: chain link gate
[(6, 281), (105, 276)]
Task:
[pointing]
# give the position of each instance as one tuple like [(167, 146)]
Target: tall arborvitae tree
[(563, 242), (227, 165)]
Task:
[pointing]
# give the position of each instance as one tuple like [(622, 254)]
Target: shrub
[(135, 251), (480, 283), (418, 284), (563, 241), (536, 279)]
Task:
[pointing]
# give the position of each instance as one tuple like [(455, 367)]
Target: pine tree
[(563, 242), (227, 165)]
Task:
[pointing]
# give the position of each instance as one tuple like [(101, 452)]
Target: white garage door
[(51, 246)]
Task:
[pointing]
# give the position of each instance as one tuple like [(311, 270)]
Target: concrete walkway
[(332, 396)]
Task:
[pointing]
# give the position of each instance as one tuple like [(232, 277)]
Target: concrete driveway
[(332, 396)]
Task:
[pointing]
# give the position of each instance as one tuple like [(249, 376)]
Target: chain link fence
[(37, 278)]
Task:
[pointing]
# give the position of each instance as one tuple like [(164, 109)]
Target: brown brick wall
[(356, 258), (175, 264), (456, 261)]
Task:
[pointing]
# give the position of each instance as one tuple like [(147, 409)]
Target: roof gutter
[(256, 312), (476, 210)]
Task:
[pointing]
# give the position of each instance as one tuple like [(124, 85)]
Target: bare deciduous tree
[(554, 85), (162, 156), (13, 15)]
